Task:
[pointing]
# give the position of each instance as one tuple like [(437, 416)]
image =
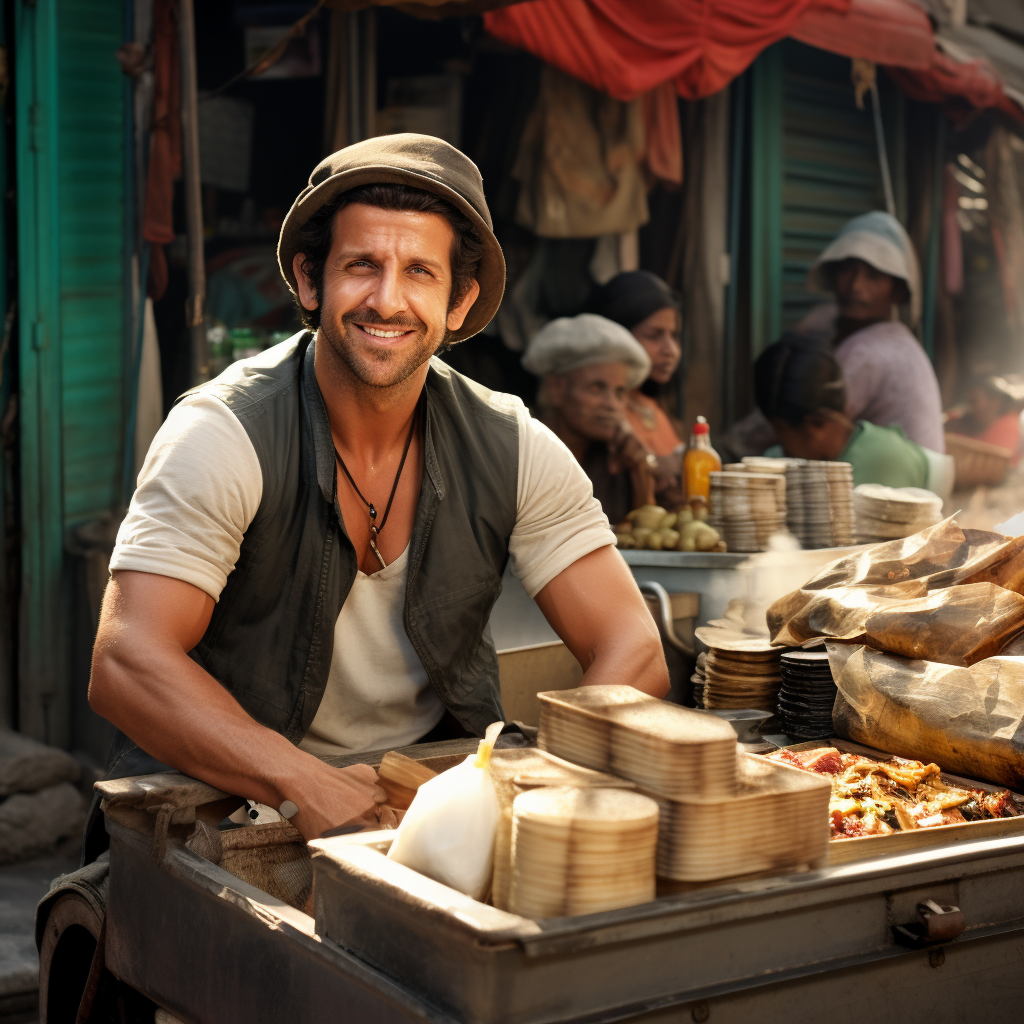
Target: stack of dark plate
[(807, 695)]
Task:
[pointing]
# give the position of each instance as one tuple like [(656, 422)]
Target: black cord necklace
[(375, 530)]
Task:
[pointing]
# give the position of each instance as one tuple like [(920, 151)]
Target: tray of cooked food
[(881, 804)]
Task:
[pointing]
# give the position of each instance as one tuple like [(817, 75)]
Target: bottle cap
[(701, 426)]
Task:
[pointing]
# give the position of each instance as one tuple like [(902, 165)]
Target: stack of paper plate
[(698, 679), (888, 513), (777, 820), (819, 509), (741, 671), (517, 770), (662, 747), (748, 508), (807, 695), (581, 851)]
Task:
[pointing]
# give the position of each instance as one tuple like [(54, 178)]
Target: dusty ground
[(22, 886)]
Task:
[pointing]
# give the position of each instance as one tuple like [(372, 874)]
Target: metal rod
[(883, 157), (193, 194)]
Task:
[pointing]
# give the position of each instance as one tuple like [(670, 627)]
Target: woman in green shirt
[(799, 387)]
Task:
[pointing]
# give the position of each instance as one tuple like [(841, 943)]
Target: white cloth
[(378, 695), (201, 486)]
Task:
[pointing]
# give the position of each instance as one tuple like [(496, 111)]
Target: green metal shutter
[(815, 165), (71, 206), (91, 256)]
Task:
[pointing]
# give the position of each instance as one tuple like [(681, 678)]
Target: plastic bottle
[(699, 462)]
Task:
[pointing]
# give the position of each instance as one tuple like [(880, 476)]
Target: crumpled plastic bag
[(970, 721), (944, 594), (448, 832)]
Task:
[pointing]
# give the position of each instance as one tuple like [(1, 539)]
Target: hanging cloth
[(164, 143), (579, 162)]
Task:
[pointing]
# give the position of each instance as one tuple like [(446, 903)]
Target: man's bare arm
[(144, 683), (596, 608)]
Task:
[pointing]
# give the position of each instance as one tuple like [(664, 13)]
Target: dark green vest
[(271, 636)]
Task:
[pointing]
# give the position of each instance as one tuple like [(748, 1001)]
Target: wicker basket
[(977, 462)]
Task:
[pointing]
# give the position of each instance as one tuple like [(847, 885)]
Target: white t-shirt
[(200, 488)]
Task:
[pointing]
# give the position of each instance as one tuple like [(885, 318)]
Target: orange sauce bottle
[(699, 461)]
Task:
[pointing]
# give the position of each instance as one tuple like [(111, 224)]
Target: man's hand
[(144, 682), (342, 796), (595, 606)]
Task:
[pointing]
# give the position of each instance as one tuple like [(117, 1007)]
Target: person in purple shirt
[(871, 269)]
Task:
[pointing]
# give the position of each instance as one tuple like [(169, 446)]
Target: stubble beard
[(379, 368)]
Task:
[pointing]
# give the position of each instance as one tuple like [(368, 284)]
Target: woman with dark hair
[(799, 387), (646, 306)]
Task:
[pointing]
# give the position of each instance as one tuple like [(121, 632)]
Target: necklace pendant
[(375, 550), (373, 512)]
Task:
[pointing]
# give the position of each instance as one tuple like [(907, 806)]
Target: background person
[(871, 269), (992, 414), (588, 366), (799, 389), (645, 305)]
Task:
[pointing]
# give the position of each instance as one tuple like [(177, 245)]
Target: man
[(318, 536), (589, 366), (870, 268)]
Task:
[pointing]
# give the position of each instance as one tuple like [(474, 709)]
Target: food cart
[(385, 944), (926, 927)]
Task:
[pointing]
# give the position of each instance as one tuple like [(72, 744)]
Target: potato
[(669, 539), (687, 542), (685, 516), (668, 521), (624, 527), (631, 516), (648, 516), (706, 538), (640, 535), (624, 540), (700, 513), (654, 541)]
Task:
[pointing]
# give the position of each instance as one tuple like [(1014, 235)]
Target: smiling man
[(318, 535)]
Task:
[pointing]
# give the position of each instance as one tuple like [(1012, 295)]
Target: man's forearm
[(178, 713), (640, 665)]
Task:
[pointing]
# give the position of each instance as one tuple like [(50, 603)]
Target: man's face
[(592, 399), (864, 293), (386, 289)]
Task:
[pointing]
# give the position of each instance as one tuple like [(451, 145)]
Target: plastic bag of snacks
[(448, 832)]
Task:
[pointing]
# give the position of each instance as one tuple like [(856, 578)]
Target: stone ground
[(22, 886)]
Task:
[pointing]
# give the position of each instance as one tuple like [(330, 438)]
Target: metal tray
[(842, 851)]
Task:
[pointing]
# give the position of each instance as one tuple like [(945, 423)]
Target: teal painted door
[(69, 135), (814, 166)]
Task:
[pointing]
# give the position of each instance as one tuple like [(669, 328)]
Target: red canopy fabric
[(624, 48), (884, 31)]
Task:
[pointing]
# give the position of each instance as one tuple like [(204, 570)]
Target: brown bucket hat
[(406, 159)]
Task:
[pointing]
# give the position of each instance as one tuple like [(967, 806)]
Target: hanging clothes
[(579, 162), (164, 145), (662, 136)]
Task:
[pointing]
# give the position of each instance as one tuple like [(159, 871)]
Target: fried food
[(877, 798)]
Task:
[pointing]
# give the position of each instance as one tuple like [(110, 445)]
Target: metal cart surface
[(388, 945)]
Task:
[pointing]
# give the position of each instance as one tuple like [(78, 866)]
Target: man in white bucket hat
[(871, 269)]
